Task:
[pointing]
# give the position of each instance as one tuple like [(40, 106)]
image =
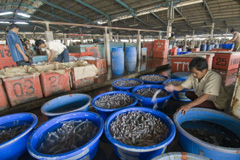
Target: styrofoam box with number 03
[(226, 60), (83, 76), (180, 63), (54, 82), (3, 98), (22, 89)]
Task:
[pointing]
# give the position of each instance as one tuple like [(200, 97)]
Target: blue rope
[(53, 12)]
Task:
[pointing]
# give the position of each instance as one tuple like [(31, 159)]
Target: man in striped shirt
[(15, 46)]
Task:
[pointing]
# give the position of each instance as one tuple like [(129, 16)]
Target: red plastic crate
[(158, 53), (149, 46), (161, 44), (174, 51), (5, 53), (195, 49), (226, 60), (101, 65), (75, 54), (7, 64), (82, 82), (3, 98), (180, 63), (22, 89), (94, 50), (54, 82), (81, 54), (228, 77), (220, 49)]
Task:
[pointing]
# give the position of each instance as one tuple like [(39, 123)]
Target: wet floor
[(105, 151)]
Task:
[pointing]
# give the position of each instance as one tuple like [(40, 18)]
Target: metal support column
[(185, 44), (48, 34), (160, 35), (65, 39), (212, 30), (139, 46), (107, 47), (170, 19)]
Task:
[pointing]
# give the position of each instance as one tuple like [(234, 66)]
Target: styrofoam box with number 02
[(55, 82), (3, 98), (226, 60), (22, 89)]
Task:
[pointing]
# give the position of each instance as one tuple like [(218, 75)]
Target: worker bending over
[(56, 50), (235, 39), (208, 90)]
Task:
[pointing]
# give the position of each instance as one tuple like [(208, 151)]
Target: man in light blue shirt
[(15, 46)]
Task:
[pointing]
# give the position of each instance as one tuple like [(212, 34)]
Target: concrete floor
[(105, 149)]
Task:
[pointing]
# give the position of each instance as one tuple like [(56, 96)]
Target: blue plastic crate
[(37, 59)]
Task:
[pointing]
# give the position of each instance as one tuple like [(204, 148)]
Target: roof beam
[(37, 9), (209, 11), (156, 16), (93, 8), (183, 16), (66, 10)]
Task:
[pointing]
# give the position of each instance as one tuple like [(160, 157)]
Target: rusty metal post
[(107, 47), (139, 46)]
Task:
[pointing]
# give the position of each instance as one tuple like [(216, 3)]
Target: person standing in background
[(56, 51), (235, 39), (15, 46)]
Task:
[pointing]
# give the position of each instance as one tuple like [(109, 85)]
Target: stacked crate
[(149, 46), (6, 57), (160, 48)]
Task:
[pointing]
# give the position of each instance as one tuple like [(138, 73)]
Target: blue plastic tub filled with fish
[(180, 156), (210, 133), (139, 133), (178, 95), (153, 79), (146, 98), (15, 130), (126, 84), (65, 104), (69, 136), (109, 102)]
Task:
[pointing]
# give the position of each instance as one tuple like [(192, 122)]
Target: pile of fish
[(153, 78), (114, 101), (149, 92), (70, 136), (175, 83), (7, 134), (138, 128), (127, 83)]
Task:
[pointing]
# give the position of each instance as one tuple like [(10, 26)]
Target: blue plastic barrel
[(104, 112), (65, 104), (117, 61), (203, 47), (87, 151), (179, 51), (128, 152), (227, 46), (216, 46), (209, 47), (179, 95), (194, 145), (131, 58), (147, 101), (180, 75), (180, 156), (17, 146), (122, 88), (185, 52), (153, 82)]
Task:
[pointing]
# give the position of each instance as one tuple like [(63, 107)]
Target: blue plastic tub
[(60, 105), (104, 112), (179, 95), (185, 52), (17, 146), (180, 75), (227, 46), (131, 58), (153, 82), (117, 88), (147, 101), (196, 146), (36, 59), (128, 152), (179, 51), (209, 47), (117, 61), (180, 156), (87, 151)]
